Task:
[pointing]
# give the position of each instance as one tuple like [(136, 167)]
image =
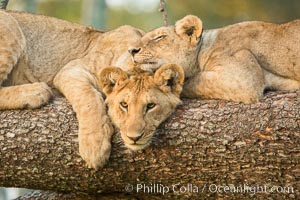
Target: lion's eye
[(150, 106), (159, 38), (124, 105)]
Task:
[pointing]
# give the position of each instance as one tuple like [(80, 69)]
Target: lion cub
[(139, 101), (236, 62)]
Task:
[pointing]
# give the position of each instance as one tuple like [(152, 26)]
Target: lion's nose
[(135, 138), (134, 51)]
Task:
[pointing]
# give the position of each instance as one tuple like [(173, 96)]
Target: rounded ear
[(190, 26), (170, 78), (109, 77)]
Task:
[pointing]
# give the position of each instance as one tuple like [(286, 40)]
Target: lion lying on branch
[(238, 62), (39, 52)]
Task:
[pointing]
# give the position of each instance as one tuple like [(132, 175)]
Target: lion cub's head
[(139, 101), (172, 44)]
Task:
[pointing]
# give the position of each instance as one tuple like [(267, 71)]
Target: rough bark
[(203, 143)]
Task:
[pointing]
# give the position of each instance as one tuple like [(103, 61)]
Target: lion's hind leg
[(12, 48), (277, 82), (238, 78), (12, 44)]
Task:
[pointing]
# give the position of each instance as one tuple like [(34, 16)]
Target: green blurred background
[(109, 14)]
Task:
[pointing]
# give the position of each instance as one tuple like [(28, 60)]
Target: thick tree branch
[(204, 143)]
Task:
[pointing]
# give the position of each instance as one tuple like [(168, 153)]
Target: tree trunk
[(207, 149), (163, 10), (94, 13), (3, 4)]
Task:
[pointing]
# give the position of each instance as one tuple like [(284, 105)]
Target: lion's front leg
[(95, 129)]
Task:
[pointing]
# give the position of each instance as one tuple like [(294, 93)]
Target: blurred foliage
[(67, 9), (214, 13), (218, 13)]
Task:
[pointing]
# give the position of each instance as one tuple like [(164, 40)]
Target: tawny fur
[(38, 53), (237, 62), (149, 99)]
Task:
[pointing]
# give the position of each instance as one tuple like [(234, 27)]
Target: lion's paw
[(95, 148), (35, 95)]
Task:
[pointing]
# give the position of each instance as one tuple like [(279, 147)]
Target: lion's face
[(173, 44), (139, 102)]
